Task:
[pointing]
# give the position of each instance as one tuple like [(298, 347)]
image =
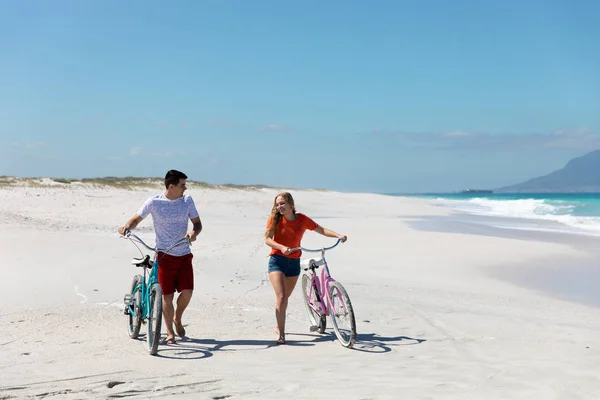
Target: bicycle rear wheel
[(154, 318), (316, 319), (342, 315), (134, 309)]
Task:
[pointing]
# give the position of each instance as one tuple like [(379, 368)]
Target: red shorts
[(175, 273)]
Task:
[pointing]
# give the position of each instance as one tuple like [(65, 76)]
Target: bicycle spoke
[(342, 315)]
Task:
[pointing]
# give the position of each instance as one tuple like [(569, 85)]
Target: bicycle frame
[(147, 281), (320, 285)]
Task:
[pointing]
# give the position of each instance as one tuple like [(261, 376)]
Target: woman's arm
[(330, 233), (274, 245)]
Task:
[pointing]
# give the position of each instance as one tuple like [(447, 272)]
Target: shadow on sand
[(369, 342), (194, 349), (373, 343)]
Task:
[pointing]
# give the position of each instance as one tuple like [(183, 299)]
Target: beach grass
[(125, 183)]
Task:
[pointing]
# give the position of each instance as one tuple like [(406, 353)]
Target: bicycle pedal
[(313, 328)]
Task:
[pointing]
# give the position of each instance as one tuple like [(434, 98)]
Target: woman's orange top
[(289, 233)]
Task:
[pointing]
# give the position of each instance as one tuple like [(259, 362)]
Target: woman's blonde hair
[(275, 215)]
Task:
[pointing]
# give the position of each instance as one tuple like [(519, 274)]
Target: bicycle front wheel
[(134, 307), (320, 321), (154, 318), (342, 315)]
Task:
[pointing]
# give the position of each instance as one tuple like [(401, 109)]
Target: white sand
[(432, 322)]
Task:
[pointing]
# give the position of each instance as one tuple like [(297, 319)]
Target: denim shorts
[(289, 266)]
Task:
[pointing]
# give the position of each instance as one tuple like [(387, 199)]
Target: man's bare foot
[(169, 340), (179, 328)]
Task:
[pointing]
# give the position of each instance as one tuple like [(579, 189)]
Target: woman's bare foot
[(281, 339)]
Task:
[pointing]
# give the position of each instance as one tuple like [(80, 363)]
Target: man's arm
[(197, 228), (131, 224)]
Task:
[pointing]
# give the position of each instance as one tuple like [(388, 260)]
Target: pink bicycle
[(325, 295)]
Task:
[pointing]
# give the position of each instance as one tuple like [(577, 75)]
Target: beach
[(442, 311)]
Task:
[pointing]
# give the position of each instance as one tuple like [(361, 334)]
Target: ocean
[(566, 218), (575, 213)]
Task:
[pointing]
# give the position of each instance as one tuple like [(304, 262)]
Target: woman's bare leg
[(283, 288)]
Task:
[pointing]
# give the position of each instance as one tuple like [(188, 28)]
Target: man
[(170, 213)]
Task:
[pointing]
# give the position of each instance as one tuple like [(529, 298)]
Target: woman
[(285, 229)]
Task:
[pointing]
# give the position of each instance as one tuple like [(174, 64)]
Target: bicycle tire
[(154, 318), (346, 337), (135, 320), (316, 319)]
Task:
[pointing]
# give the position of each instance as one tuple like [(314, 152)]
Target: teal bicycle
[(143, 302)]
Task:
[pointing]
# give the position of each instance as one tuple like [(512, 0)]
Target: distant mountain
[(581, 174)]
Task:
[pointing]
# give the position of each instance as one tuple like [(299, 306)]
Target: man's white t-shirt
[(170, 218)]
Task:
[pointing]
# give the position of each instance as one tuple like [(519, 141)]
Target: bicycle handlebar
[(133, 237), (317, 250)]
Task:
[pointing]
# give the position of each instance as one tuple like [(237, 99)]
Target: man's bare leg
[(182, 302), (168, 312)]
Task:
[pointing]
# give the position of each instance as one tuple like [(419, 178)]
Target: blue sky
[(380, 96)]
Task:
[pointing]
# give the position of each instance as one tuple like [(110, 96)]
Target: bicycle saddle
[(311, 263), (142, 262)]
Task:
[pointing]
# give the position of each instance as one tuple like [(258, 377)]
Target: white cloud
[(135, 151), (457, 134), (29, 145), (166, 154), (140, 151), (275, 127), (575, 139)]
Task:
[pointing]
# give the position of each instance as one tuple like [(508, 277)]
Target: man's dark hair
[(173, 176)]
